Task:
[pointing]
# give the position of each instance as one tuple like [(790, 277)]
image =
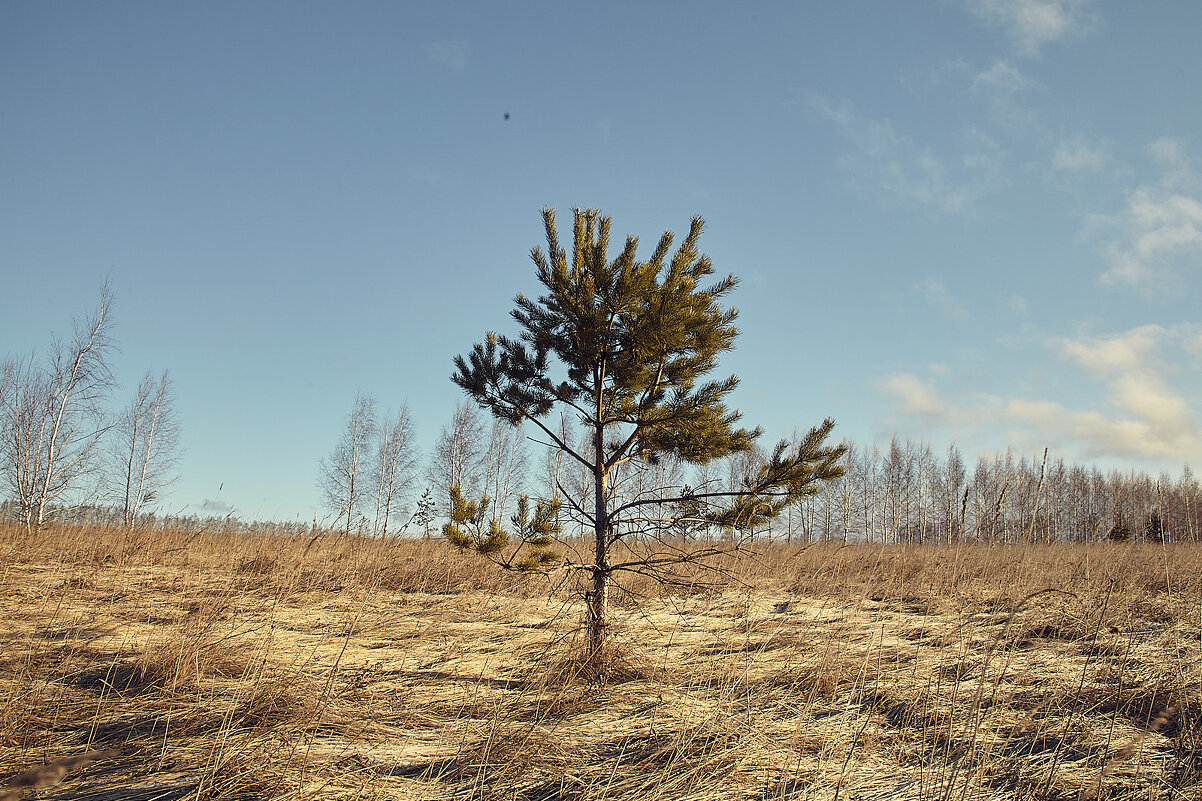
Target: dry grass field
[(221, 666)]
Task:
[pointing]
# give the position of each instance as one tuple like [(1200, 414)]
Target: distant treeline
[(907, 493), (113, 517), (903, 493)]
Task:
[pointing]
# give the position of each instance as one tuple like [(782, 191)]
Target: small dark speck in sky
[(506, 115)]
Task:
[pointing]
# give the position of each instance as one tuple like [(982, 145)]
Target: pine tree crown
[(634, 339)]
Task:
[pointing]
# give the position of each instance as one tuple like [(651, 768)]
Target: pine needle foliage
[(470, 528), (627, 346)]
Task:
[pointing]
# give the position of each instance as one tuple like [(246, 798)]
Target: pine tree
[(624, 345)]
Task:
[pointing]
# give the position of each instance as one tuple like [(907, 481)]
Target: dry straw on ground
[(163, 666)]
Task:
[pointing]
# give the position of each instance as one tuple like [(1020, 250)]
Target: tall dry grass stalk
[(236, 666)]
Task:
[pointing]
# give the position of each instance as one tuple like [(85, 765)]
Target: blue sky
[(976, 222)]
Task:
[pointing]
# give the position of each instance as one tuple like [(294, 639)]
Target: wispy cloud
[(451, 53), (1173, 155), (1001, 87), (1157, 235), (917, 398), (1002, 77), (1157, 419), (1032, 24), (894, 164), (1119, 352), (1158, 229), (1077, 154), (1193, 344), (940, 297), (1140, 415)]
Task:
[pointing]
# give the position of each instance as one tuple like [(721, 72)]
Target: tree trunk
[(598, 611), (597, 599), (140, 495)]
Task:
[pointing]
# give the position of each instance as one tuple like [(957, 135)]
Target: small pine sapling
[(471, 528)]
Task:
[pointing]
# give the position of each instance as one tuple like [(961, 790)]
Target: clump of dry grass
[(616, 662)]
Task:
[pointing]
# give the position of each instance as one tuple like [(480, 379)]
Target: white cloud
[(1158, 229), (1127, 351), (1139, 415), (917, 398), (1158, 234), (1146, 395), (897, 166), (1031, 24), (451, 53), (1157, 419)]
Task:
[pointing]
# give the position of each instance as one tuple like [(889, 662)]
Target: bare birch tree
[(8, 370), (394, 467), (344, 476), (145, 447), (458, 456), (505, 465), (954, 497), (53, 417)]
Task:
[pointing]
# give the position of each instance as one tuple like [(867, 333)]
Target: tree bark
[(598, 597)]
